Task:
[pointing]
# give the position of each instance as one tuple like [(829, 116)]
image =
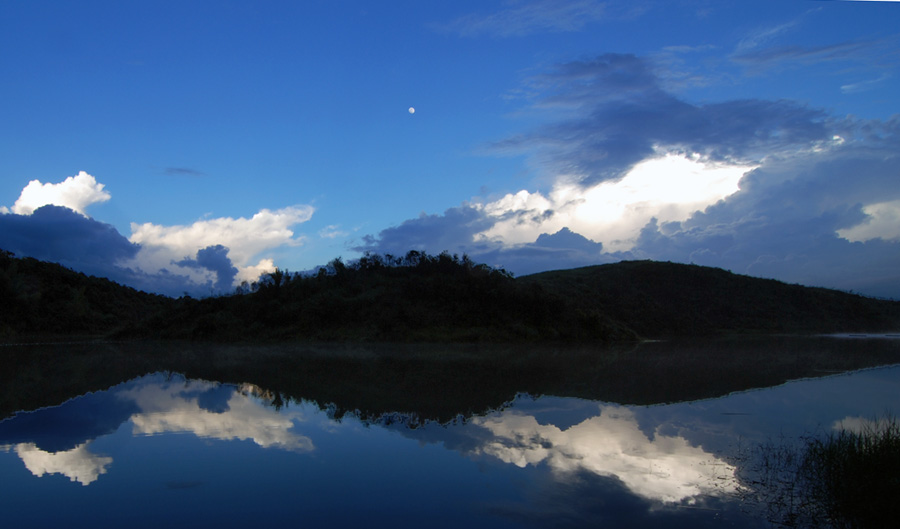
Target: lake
[(168, 448)]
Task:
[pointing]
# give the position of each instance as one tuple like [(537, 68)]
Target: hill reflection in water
[(607, 441), (235, 450)]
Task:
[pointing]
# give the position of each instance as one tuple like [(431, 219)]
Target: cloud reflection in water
[(183, 408), (162, 405), (662, 467), (571, 437), (77, 464)]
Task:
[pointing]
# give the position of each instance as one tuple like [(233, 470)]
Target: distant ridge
[(664, 299)]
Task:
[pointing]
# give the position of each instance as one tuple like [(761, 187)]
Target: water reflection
[(545, 461), (215, 411), (77, 464), (665, 468), (603, 439), (56, 440)]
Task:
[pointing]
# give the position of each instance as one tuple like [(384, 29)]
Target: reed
[(848, 478), (854, 474)]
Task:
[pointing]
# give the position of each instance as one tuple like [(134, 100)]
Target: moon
[(412, 110)]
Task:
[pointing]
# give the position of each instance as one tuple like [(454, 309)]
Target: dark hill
[(46, 300), (658, 299), (415, 298), (424, 298)]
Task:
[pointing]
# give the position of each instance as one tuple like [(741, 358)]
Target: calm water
[(162, 449)]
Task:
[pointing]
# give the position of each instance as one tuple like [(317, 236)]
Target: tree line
[(419, 297), (413, 297)]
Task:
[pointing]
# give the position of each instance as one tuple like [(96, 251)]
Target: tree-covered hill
[(660, 299), (444, 298), (417, 297), (44, 300)]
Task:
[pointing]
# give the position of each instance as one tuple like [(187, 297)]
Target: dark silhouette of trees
[(42, 299), (271, 283), (419, 297), (413, 297)]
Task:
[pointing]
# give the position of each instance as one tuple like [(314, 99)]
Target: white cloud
[(662, 468), (252, 272), (75, 192), (669, 187), (156, 258), (883, 222), (781, 189), (245, 238), (77, 464)]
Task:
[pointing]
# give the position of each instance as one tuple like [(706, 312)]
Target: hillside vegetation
[(443, 298), (414, 298), (46, 300), (659, 299)]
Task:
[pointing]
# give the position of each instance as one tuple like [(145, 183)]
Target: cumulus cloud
[(669, 187), (208, 256), (612, 113), (454, 231), (882, 222), (251, 272), (216, 253), (59, 234), (75, 192), (793, 220), (768, 188), (563, 249), (528, 231), (163, 246), (458, 230), (214, 259)]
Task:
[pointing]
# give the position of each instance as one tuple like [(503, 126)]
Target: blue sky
[(186, 146)]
